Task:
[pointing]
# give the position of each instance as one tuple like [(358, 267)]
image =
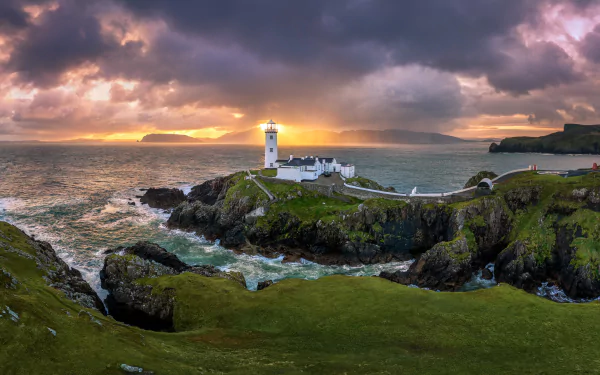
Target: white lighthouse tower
[(271, 144)]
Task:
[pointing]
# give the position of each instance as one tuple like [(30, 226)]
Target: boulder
[(446, 266), (264, 284), (137, 303), (163, 198), (517, 265), (487, 274)]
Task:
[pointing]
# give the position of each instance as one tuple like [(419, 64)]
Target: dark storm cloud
[(590, 45), (12, 16), (458, 35), (63, 39), (540, 65), (356, 37), (346, 62)]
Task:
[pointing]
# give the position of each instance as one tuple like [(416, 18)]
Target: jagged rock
[(446, 266), (209, 192), (64, 278), (264, 284), (487, 274), (517, 265), (57, 273), (520, 197), (137, 303), (163, 198)]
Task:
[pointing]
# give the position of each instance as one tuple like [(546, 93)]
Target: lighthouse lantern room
[(271, 144)]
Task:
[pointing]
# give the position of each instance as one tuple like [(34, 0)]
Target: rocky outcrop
[(450, 240), (575, 139), (525, 266), (209, 192), (473, 181), (264, 284), (137, 303), (518, 266), (479, 232), (447, 266), (163, 198), (57, 273)]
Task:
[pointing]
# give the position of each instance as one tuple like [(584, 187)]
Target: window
[(271, 165), (270, 150), (270, 137)]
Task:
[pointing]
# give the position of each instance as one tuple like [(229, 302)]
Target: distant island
[(169, 138), (317, 137), (575, 139)]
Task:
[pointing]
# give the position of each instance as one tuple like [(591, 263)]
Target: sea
[(76, 196)]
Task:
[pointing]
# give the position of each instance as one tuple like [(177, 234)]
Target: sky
[(119, 69)]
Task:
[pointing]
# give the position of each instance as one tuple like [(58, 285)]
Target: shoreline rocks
[(58, 274), (137, 303), (162, 198)]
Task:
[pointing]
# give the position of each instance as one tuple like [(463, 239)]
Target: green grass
[(282, 190), (334, 325), (269, 172), (308, 205), (244, 188), (313, 208)]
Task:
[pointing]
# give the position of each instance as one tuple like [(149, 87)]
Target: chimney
[(291, 157)]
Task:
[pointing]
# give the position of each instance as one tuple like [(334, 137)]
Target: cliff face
[(55, 272), (575, 139), (533, 229), (137, 303)]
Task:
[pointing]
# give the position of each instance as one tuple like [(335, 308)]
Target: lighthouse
[(271, 144)]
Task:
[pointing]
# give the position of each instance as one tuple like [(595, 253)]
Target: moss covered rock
[(137, 303), (473, 181)]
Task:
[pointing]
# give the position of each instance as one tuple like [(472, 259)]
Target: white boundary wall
[(434, 195)]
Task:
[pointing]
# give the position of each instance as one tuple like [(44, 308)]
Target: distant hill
[(169, 138), (326, 137), (574, 139)]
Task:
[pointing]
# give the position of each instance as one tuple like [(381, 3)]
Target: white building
[(307, 168), (347, 170)]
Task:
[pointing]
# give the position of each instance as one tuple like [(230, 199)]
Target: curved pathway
[(260, 185)]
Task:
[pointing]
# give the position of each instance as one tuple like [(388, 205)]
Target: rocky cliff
[(534, 228), (55, 272), (136, 303), (575, 139)]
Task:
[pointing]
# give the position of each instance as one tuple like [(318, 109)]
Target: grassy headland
[(334, 325)]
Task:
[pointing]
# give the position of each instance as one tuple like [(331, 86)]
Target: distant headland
[(169, 138), (574, 139)]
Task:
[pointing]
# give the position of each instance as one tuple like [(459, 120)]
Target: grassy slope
[(333, 325)]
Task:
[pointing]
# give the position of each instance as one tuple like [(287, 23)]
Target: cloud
[(62, 39), (409, 97), (590, 45), (540, 65), (323, 63)]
